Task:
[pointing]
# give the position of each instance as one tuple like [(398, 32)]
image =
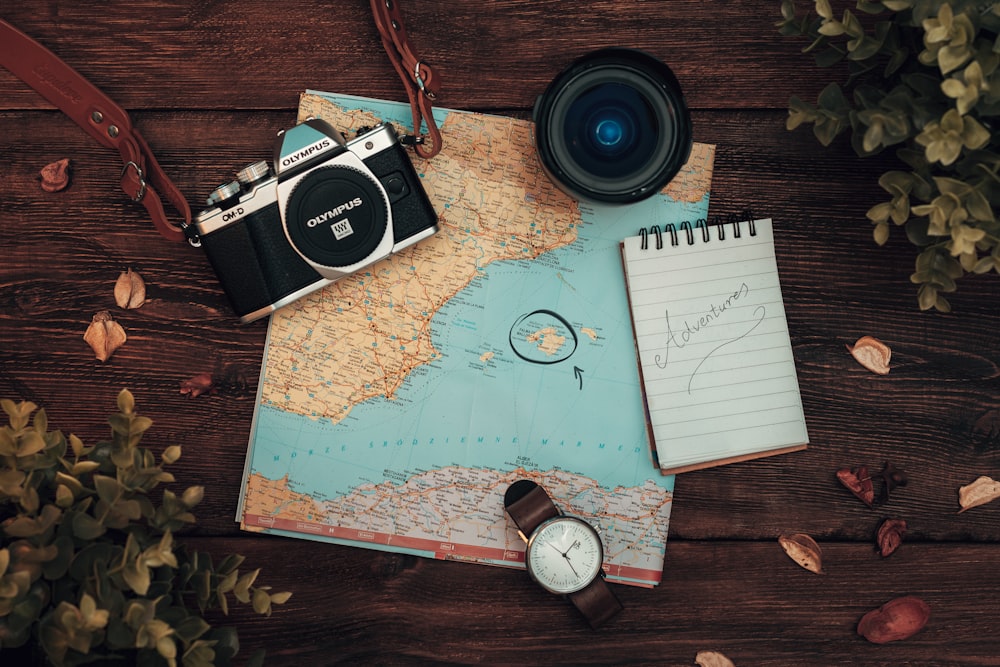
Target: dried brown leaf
[(892, 478), (130, 290), (55, 176), (871, 353), (712, 659), (104, 335), (895, 620), (803, 550), (983, 490), (890, 535), (201, 383), (859, 483)]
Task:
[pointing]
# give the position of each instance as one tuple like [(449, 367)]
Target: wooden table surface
[(209, 83)]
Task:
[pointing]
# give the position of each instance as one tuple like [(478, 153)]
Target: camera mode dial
[(252, 173), (222, 193)]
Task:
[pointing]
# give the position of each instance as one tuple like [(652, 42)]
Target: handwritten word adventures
[(692, 328)]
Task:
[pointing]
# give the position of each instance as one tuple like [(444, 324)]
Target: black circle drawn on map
[(565, 352)]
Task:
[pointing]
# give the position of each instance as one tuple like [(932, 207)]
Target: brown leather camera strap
[(142, 179), (418, 77)]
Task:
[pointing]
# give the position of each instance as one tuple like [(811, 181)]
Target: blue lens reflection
[(611, 131)]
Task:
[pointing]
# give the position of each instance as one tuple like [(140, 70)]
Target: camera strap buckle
[(418, 77), (412, 139), (137, 197)]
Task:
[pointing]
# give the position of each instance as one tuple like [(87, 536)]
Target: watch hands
[(565, 555), (570, 563)]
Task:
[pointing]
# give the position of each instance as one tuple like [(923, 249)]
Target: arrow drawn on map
[(578, 373)]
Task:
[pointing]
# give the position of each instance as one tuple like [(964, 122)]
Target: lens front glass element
[(605, 129)]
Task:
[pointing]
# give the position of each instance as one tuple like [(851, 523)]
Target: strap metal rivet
[(113, 131), (97, 117)]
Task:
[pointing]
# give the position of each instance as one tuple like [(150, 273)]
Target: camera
[(613, 127), (329, 208)]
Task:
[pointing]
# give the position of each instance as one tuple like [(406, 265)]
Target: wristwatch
[(564, 554)]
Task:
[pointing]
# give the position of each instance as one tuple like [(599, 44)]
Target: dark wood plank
[(745, 599), (491, 55)]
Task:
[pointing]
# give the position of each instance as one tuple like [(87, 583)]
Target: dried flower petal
[(895, 620), (890, 536), (712, 659), (200, 384), (55, 176), (130, 290), (104, 335), (803, 550), (859, 482), (892, 478), (979, 492), (871, 353)]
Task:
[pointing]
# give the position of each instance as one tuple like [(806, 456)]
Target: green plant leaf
[(86, 527), (18, 413), (172, 454), (83, 467), (979, 207), (261, 602), (200, 654), (29, 443), (126, 402), (108, 489), (137, 577), (974, 135), (192, 496), (191, 628), (280, 598), (77, 445)]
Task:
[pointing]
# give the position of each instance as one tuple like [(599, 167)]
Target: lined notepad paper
[(712, 339)]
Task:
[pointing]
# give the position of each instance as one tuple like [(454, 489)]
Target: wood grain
[(210, 83)]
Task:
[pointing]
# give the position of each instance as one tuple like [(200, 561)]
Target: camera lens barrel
[(613, 127)]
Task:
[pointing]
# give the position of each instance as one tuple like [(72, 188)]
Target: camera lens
[(613, 127)]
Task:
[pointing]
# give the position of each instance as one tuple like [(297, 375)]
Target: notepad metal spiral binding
[(687, 227)]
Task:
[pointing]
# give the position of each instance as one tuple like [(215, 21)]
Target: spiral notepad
[(714, 352)]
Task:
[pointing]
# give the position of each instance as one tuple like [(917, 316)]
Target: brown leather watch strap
[(421, 81), (597, 602), (142, 179), (529, 506)]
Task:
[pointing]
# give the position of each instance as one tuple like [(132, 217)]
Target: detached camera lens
[(613, 127)]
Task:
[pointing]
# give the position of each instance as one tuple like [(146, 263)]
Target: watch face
[(564, 554)]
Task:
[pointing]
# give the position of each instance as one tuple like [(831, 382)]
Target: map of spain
[(397, 404)]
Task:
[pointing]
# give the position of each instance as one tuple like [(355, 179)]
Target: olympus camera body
[(330, 208)]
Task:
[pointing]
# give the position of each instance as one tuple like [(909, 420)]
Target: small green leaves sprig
[(923, 80), (88, 564)]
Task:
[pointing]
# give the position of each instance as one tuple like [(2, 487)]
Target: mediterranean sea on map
[(579, 413), (533, 370)]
